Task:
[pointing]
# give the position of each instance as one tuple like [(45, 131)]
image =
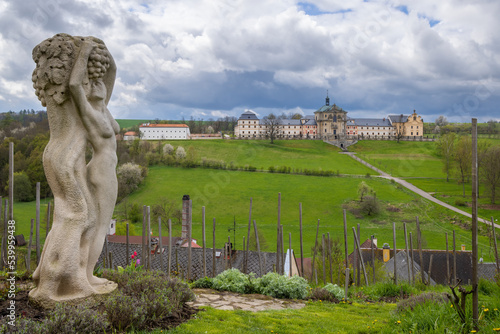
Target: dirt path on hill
[(416, 190)]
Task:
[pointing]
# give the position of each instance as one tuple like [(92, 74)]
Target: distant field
[(403, 159), (226, 196), (310, 154), (128, 123)]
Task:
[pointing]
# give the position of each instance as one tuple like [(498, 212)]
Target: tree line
[(456, 153)]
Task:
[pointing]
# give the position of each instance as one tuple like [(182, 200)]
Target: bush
[(322, 295), (123, 311), (168, 149), (414, 301), (233, 280), (180, 153), (460, 202), (389, 289), (335, 290), (370, 206), (67, 319), (278, 286), (129, 177), (203, 283)]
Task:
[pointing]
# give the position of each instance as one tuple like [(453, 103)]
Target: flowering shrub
[(278, 286)]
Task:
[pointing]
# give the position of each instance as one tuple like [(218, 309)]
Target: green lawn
[(316, 317), (226, 196), (403, 159), (128, 123), (310, 154)]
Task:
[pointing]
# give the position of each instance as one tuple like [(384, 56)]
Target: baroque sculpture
[(74, 78)]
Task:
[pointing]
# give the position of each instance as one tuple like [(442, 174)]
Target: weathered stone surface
[(74, 78), (232, 301)]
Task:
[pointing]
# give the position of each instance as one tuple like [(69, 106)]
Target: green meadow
[(226, 197), (309, 154), (128, 123)]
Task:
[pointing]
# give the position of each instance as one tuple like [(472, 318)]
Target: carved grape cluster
[(99, 62)]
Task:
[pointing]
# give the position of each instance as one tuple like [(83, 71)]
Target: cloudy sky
[(183, 58)]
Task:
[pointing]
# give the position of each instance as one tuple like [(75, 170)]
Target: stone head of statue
[(54, 58)]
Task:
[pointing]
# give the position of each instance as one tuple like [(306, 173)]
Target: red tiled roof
[(130, 133), (164, 126)]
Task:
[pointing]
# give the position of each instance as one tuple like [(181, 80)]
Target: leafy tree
[(370, 206), (446, 146), (180, 153), (463, 159), (23, 192), (363, 190), (491, 170)]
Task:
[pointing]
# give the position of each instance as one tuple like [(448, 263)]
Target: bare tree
[(463, 159), (399, 131), (446, 146), (273, 126), (491, 170)]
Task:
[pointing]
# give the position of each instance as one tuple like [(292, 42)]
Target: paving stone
[(225, 307)]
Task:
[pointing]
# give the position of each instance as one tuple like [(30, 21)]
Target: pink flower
[(138, 261), (135, 253), (133, 256)]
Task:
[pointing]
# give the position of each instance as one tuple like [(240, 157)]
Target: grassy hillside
[(226, 196), (310, 154), (128, 123)]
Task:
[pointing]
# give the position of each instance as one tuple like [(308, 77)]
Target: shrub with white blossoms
[(180, 153)]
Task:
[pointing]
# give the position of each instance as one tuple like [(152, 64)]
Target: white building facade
[(164, 131)]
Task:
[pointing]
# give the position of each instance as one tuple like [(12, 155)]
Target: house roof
[(179, 259), (149, 125), (130, 133), (327, 108), (248, 114), (290, 121), (399, 118), (372, 122)]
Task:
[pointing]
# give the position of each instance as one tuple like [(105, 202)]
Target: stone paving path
[(224, 300)]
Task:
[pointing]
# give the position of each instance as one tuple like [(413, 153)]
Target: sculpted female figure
[(74, 78)]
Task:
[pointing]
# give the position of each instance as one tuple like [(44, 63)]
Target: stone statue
[(74, 78)]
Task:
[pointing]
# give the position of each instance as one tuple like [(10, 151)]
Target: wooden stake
[(110, 260), (106, 253), (282, 252), (358, 279), (419, 239), (290, 252), (430, 269), (37, 223), (323, 258), (448, 278), (475, 292), (346, 285), (314, 252), (149, 238), (213, 251), (345, 241), (412, 260), (356, 240), (301, 244), (248, 236), (169, 246), (204, 241), (454, 259), (190, 240), (4, 235), (329, 253), (229, 251), (28, 261), (11, 182), (261, 271), (143, 250), (407, 254), (278, 241), (373, 259), (495, 245), (160, 244), (127, 252), (395, 252)]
